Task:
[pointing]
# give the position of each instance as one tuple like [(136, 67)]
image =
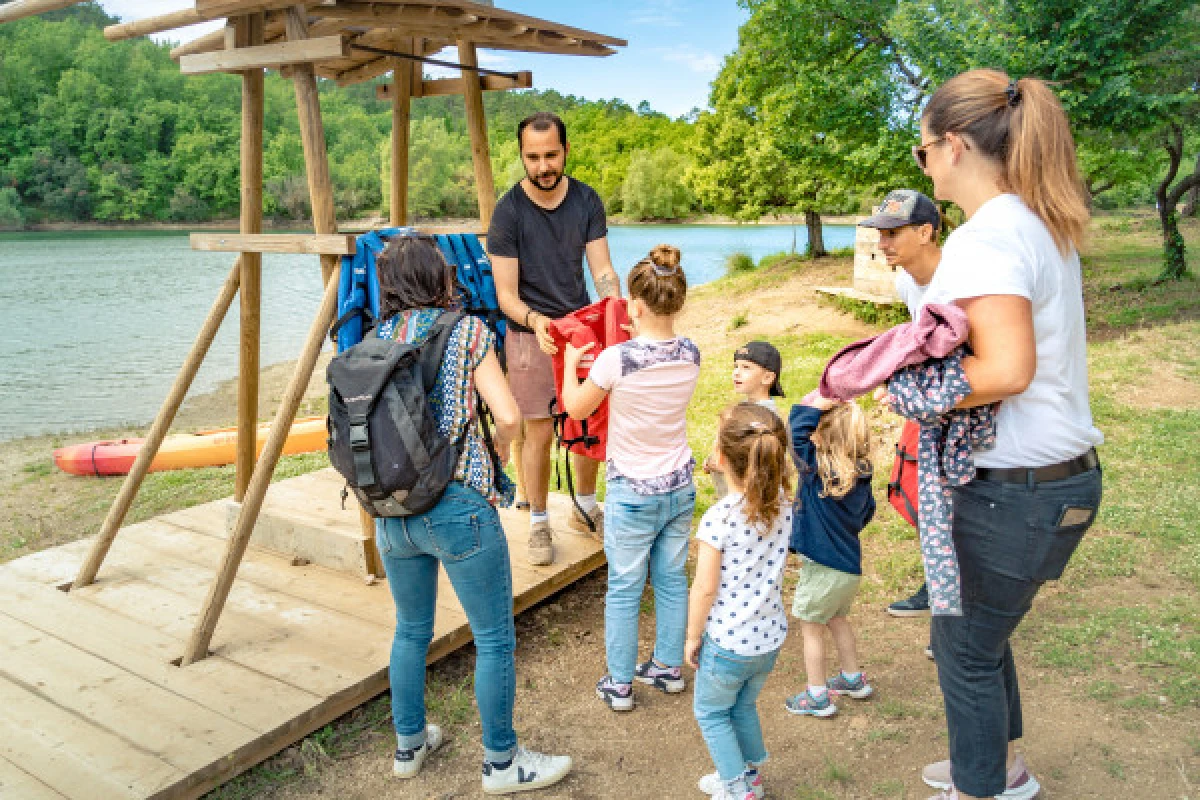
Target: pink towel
[(858, 368)]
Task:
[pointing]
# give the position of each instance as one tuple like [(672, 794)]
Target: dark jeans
[(1010, 539)]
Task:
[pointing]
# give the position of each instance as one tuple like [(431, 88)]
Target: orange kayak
[(203, 449)]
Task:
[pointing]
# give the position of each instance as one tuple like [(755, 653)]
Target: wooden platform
[(91, 705)]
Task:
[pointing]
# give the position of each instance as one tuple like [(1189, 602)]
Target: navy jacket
[(825, 529)]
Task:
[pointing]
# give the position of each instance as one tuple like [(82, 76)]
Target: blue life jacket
[(358, 288)]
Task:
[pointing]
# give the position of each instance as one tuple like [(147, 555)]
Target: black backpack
[(383, 436)]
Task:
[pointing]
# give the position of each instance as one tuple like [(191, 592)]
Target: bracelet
[(527, 313)]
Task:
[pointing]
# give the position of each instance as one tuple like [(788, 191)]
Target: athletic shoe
[(929, 651), (858, 689), (1021, 785), (619, 696), (665, 679), (407, 761), (712, 783), (915, 606), (805, 704), (950, 794), (541, 544), (578, 522), (527, 770)]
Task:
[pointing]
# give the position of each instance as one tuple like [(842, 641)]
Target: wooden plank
[(266, 56), (442, 86), (17, 783), (18, 9), (155, 721), (70, 754), (332, 244), (401, 99), (229, 689)]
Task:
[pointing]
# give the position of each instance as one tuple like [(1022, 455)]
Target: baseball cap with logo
[(904, 207), (766, 356)]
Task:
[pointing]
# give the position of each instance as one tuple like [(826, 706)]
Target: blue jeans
[(645, 533), (1010, 538), (463, 533), (727, 688)]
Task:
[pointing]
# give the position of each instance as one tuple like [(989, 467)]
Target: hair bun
[(666, 256)]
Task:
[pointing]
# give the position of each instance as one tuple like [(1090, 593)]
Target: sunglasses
[(920, 154)]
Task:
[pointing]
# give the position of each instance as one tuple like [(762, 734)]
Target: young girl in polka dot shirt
[(736, 619)]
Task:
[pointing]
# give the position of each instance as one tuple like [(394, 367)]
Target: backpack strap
[(433, 349)]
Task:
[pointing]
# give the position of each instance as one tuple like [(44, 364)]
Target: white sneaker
[(407, 763), (1020, 783), (713, 785), (528, 770)]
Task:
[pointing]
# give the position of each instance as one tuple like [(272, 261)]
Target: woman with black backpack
[(461, 533)]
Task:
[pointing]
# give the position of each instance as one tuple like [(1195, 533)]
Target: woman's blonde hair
[(843, 445), (658, 281), (1022, 125), (754, 446)]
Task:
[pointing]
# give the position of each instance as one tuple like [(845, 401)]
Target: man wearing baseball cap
[(908, 223)]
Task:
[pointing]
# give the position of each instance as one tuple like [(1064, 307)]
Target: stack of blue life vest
[(358, 290)]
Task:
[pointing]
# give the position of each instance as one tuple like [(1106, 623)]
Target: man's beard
[(558, 176)]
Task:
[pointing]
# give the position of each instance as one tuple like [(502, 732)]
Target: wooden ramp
[(92, 705)]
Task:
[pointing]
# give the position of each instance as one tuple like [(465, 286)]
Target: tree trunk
[(816, 239), (1174, 250), (1192, 206)]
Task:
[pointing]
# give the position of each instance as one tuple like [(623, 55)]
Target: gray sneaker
[(407, 761), (578, 522), (527, 770), (1021, 785), (541, 544)]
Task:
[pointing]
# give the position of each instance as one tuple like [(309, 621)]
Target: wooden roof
[(423, 28)]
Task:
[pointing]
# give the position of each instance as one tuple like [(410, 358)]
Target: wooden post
[(485, 187), (250, 34), (401, 102), (239, 538), (158, 431), (312, 136)]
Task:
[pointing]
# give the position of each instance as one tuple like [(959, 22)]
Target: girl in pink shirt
[(649, 382)]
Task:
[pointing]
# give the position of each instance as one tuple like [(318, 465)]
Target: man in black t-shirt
[(540, 232)]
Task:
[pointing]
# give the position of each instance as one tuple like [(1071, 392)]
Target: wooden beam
[(239, 538), (141, 27), (158, 431), (249, 35), (267, 56), (311, 244), (441, 86), (312, 137), (485, 187), (401, 102), (19, 9)]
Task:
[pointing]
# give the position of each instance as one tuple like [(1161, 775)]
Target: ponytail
[(754, 445), (1021, 125)]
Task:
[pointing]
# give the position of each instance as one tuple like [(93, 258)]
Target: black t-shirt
[(549, 246)]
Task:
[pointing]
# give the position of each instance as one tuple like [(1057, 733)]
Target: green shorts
[(823, 593)]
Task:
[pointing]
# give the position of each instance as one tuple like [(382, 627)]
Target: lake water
[(94, 326)]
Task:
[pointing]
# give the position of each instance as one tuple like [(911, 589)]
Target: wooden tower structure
[(347, 41)]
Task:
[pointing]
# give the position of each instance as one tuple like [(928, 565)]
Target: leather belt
[(1034, 475)]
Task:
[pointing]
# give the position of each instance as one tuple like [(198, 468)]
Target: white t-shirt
[(1005, 249), (747, 616), (911, 292), (650, 384)]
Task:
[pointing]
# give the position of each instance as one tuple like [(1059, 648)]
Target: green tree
[(654, 187)]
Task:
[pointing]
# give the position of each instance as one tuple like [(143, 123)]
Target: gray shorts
[(530, 374)]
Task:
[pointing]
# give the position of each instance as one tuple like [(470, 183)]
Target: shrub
[(738, 262)]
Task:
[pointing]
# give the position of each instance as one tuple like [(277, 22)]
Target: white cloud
[(698, 61), (662, 13)]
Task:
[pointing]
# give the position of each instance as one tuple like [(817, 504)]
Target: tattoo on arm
[(608, 285)]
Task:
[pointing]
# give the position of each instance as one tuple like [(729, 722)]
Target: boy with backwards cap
[(756, 369)]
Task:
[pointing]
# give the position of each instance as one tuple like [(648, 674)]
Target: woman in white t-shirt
[(1002, 151)]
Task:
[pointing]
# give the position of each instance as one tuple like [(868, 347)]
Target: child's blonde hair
[(754, 445), (843, 445), (658, 281)]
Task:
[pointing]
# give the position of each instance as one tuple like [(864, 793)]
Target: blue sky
[(675, 47)]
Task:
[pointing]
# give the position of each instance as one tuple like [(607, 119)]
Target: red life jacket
[(902, 486), (599, 324)]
